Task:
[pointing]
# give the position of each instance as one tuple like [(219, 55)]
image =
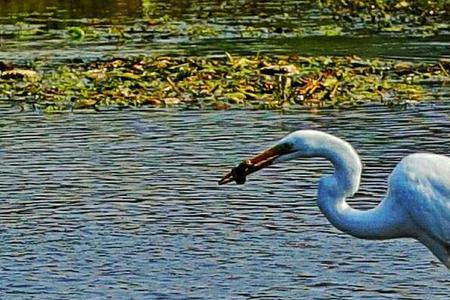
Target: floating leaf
[(76, 33)]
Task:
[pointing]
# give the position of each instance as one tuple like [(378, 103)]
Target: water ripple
[(126, 205)]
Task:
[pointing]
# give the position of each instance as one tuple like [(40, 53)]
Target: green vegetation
[(232, 19), (421, 17), (251, 82)]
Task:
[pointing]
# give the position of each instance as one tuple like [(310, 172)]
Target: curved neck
[(381, 222)]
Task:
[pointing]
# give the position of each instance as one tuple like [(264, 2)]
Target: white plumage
[(416, 205)]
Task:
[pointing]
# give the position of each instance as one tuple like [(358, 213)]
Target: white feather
[(417, 203)]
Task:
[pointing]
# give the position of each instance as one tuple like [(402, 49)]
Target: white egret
[(417, 203)]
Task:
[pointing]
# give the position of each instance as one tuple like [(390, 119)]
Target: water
[(275, 23), (125, 205)]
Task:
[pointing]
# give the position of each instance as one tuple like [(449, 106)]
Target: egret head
[(296, 144)]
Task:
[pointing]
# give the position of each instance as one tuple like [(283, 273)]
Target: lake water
[(273, 21), (125, 205)]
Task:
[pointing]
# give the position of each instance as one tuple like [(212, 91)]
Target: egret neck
[(380, 222)]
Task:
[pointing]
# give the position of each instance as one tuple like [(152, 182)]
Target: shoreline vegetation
[(222, 82), (411, 17), (335, 18), (233, 81)]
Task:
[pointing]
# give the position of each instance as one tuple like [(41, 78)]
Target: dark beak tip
[(240, 180), (237, 174), (226, 179)]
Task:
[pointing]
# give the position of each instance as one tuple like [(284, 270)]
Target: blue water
[(125, 205)]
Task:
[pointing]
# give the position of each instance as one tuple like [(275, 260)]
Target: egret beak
[(259, 161)]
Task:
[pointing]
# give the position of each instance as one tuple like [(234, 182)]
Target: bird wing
[(423, 187)]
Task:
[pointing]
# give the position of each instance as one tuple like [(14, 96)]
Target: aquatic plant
[(251, 82), (422, 17), (76, 33), (337, 18)]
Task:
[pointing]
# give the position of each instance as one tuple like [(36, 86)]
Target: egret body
[(416, 205)]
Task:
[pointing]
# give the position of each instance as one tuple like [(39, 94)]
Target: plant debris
[(221, 82)]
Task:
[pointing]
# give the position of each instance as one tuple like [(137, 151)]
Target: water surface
[(280, 26), (126, 205)]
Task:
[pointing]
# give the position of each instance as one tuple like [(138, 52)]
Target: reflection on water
[(281, 26), (137, 8), (126, 205), (70, 9)]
